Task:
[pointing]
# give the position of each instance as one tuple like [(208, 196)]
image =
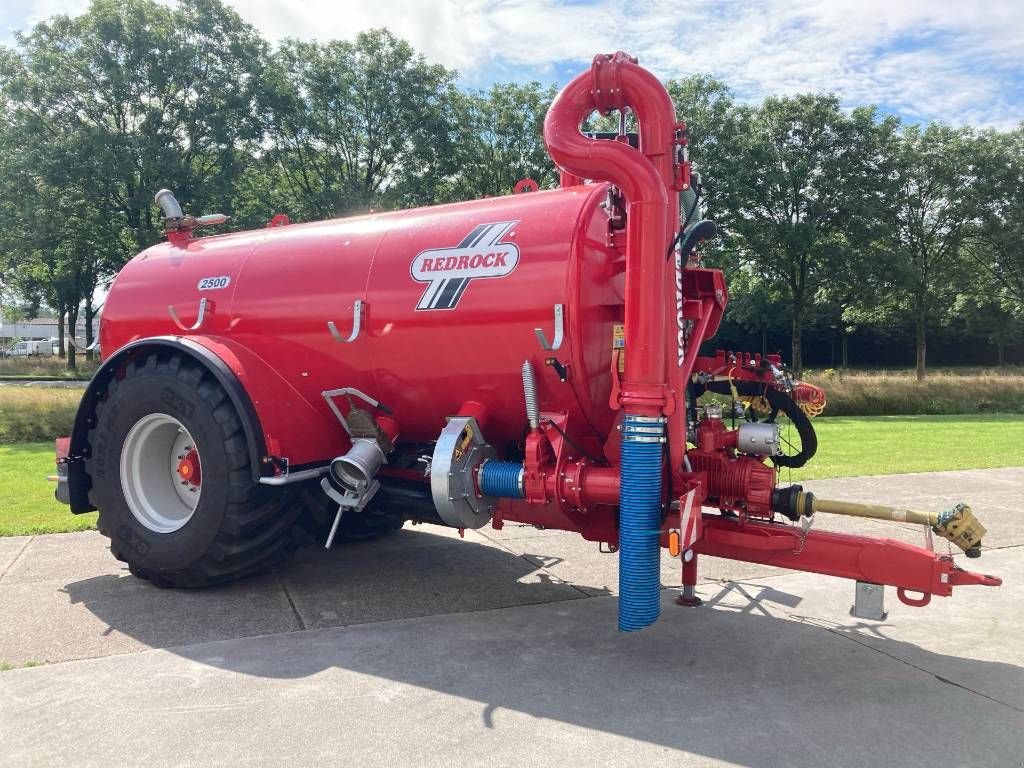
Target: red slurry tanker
[(531, 358)]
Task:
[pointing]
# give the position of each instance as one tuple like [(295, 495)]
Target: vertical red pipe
[(645, 179)]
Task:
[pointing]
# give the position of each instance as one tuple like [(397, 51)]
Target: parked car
[(30, 348)]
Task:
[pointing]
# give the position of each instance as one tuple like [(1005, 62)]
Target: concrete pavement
[(424, 649)]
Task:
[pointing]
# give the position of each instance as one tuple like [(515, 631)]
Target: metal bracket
[(357, 324), (869, 601), (95, 345), (288, 477), (354, 501), (559, 331), (200, 319), (329, 394)]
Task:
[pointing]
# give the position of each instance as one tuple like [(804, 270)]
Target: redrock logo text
[(448, 271)]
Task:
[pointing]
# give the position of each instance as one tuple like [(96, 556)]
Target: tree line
[(834, 222)]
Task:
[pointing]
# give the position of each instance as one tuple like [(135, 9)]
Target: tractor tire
[(175, 525)]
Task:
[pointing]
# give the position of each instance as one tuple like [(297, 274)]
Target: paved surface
[(502, 649)]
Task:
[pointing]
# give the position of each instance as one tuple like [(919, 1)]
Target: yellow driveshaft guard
[(958, 525)]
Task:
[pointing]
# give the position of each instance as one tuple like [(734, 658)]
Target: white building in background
[(42, 328)]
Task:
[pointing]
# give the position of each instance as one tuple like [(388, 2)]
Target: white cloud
[(926, 59)]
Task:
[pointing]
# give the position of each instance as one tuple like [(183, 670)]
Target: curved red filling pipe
[(645, 179)]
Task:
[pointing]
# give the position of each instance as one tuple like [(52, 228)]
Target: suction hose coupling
[(502, 479), (530, 395), (640, 521)]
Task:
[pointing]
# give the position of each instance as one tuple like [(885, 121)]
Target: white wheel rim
[(157, 493)]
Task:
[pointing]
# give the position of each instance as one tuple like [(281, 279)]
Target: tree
[(932, 207), (708, 108), (499, 140), (995, 244), (800, 187), (106, 108), (351, 123), (756, 305)]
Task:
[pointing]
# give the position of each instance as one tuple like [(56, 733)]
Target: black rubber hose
[(779, 401)]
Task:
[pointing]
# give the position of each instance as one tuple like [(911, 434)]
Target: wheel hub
[(161, 473), (189, 469)]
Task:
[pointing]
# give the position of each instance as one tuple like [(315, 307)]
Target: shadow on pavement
[(726, 680), (409, 574)]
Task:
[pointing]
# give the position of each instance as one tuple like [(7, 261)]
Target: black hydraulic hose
[(779, 401)]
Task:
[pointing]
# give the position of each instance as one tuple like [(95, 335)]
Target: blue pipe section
[(640, 523), (501, 479)]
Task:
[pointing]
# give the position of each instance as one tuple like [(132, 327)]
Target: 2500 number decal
[(213, 283)]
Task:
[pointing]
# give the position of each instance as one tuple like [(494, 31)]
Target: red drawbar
[(880, 561)]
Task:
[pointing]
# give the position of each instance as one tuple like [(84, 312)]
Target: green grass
[(846, 446), (34, 414), (27, 505), (883, 445), (45, 367)]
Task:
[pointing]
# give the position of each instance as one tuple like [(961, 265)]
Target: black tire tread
[(258, 521), (262, 525)]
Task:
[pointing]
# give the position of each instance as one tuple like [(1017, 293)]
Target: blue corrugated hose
[(640, 524), (501, 479)]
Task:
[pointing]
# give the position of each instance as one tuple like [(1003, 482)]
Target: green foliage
[(995, 242), (103, 109), (798, 190), (350, 122), (932, 203), (499, 141)]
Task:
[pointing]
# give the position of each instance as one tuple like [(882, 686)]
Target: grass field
[(883, 445), (847, 446), (47, 367), (944, 391), (26, 497), (30, 414)]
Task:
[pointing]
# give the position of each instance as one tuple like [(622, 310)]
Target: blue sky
[(960, 62)]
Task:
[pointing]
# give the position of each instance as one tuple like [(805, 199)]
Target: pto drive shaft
[(958, 524)]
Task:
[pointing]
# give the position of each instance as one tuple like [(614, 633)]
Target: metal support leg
[(689, 597), (334, 528), (869, 601)]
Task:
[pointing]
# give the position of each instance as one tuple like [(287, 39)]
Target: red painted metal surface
[(448, 300), (880, 561), (287, 282), (647, 181)]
